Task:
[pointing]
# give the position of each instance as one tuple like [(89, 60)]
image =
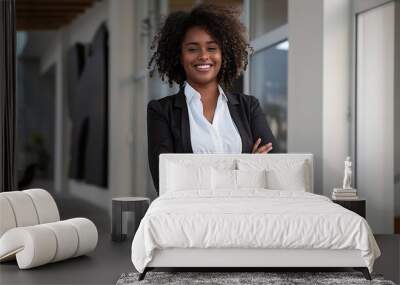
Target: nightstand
[(357, 206), (138, 205)]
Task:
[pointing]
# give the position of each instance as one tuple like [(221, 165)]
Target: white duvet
[(251, 218)]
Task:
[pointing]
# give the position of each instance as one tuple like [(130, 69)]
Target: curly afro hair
[(223, 25)]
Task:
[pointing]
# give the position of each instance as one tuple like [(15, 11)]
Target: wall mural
[(88, 109)]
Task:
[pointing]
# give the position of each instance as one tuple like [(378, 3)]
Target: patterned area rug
[(242, 278)]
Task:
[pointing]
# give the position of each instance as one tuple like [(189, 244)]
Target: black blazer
[(168, 127)]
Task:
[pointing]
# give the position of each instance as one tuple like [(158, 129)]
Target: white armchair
[(31, 230)]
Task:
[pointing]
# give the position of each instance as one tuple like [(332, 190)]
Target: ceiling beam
[(44, 14), (28, 26), (54, 2), (50, 9), (44, 19), (48, 14)]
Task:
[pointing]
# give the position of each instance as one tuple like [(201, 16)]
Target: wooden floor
[(111, 259)]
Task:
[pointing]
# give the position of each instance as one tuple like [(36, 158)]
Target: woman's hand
[(262, 149)]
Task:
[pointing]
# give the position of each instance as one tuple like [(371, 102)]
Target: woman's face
[(200, 57)]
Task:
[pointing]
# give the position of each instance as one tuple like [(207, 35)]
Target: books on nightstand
[(344, 194)]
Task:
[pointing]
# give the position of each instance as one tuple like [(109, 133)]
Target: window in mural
[(268, 83)]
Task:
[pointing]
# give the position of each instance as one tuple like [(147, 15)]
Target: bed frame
[(250, 258), (243, 259)]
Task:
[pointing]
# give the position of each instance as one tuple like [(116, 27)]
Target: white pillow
[(223, 179), (251, 178), (181, 177), (237, 179), (288, 179), (282, 174)]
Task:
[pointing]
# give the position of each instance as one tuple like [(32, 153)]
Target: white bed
[(226, 217)]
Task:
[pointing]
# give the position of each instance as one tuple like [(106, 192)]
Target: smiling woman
[(200, 58), (203, 51)]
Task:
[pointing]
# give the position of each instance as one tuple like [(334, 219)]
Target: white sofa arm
[(7, 219), (87, 234), (32, 246), (40, 244), (45, 206), (26, 208)]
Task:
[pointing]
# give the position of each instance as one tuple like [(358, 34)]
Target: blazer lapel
[(180, 102), (234, 110)]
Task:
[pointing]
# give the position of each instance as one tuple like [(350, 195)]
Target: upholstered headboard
[(238, 161)]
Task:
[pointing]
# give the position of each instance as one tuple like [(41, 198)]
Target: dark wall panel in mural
[(88, 87)]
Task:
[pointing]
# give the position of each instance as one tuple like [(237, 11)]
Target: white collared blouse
[(220, 136)]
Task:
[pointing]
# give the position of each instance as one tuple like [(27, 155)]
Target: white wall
[(121, 92), (139, 106), (375, 115), (397, 114), (337, 91), (305, 89), (319, 86)]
